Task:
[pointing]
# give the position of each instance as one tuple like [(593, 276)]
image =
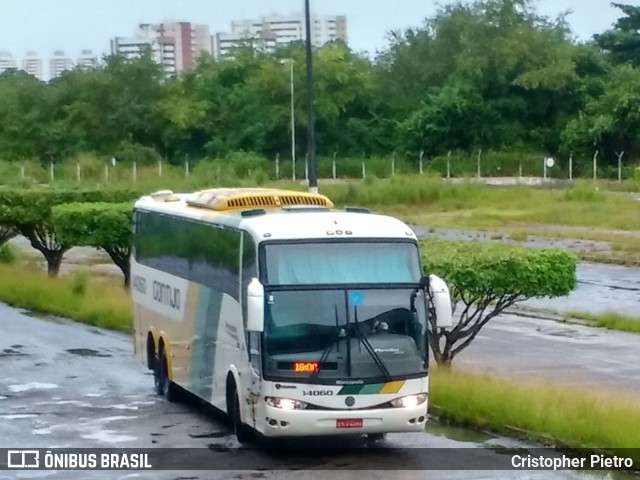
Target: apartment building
[(269, 32), (7, 62), (190, 41), (174, 45), (59, 63), (87, 59), (32, 64)]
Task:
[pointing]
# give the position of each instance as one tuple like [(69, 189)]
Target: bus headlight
[(410, 400), (285, 403)]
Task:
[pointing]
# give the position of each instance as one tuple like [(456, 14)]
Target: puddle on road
[(456, 433), (209, 435), (11, 352), (86, 352), (609, 475), (42, 431), (119, 407), (562, 333), (32, 386), (108, 436)]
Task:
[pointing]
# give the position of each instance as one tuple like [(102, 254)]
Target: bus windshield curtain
[(335, 264)]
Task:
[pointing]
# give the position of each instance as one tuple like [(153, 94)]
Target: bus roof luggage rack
[(229, 199)]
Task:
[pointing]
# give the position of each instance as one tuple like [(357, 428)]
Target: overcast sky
[(71, 25)]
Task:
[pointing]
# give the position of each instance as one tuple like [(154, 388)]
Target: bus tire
[(242, 431), (157, 381), (163, 384)]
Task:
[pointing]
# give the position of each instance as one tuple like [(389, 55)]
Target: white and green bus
[(292, 316)]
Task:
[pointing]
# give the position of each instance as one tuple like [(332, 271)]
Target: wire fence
[(523, 167)]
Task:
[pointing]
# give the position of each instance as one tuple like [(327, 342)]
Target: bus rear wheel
[(163, 385)]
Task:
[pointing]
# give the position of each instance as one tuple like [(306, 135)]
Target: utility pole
[(311, 140)]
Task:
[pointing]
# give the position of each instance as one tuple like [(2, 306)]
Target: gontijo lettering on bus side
[(160, 292)]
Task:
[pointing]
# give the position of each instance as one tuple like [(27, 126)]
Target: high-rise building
[(87, 59), (59, 63), (269, 32), (7, 62), (175, 45), (191, 41), (32, 64), (162, 50)]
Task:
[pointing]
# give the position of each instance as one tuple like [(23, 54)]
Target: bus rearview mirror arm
[(255, 306)]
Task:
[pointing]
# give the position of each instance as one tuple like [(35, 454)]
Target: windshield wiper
[(335, 340), (368, 347)]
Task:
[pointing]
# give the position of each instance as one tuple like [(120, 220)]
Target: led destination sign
[(307, 367)]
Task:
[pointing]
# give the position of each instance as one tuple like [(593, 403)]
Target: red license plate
[(349, 423)]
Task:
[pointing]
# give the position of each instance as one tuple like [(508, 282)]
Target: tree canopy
[(487, 278), (28, 212), (490, 74), (98, 224)]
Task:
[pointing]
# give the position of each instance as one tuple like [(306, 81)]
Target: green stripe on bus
[(350, 390), (203, 348), (371, 388)]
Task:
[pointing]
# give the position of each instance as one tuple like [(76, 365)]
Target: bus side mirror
[(255, 306), (441, 301)]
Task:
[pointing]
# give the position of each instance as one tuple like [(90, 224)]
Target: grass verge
[(609, 320), (104, 304), (568, 418), (471, 205)]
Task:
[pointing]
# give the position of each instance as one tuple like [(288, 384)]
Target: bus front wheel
[(243, 433)]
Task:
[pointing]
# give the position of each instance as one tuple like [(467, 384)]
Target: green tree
[(27, 127), (454, 117), (117, 103), (485, 279), (28, 212), (622, 42), (101, 225), (609, 122), (6, 234), (507, 70)]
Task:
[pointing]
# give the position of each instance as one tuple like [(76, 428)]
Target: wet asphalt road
[(600, 288), (530, 348), (64, 384)]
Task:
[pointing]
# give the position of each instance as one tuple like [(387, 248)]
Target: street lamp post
[(293, 118), (311, 145)]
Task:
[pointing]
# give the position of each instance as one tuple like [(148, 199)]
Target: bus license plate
[(349, 423)]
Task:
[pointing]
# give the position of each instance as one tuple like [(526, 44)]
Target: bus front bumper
[(284, 423)]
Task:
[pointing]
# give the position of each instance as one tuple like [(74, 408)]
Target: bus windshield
[(360, 322), (334, 263)]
